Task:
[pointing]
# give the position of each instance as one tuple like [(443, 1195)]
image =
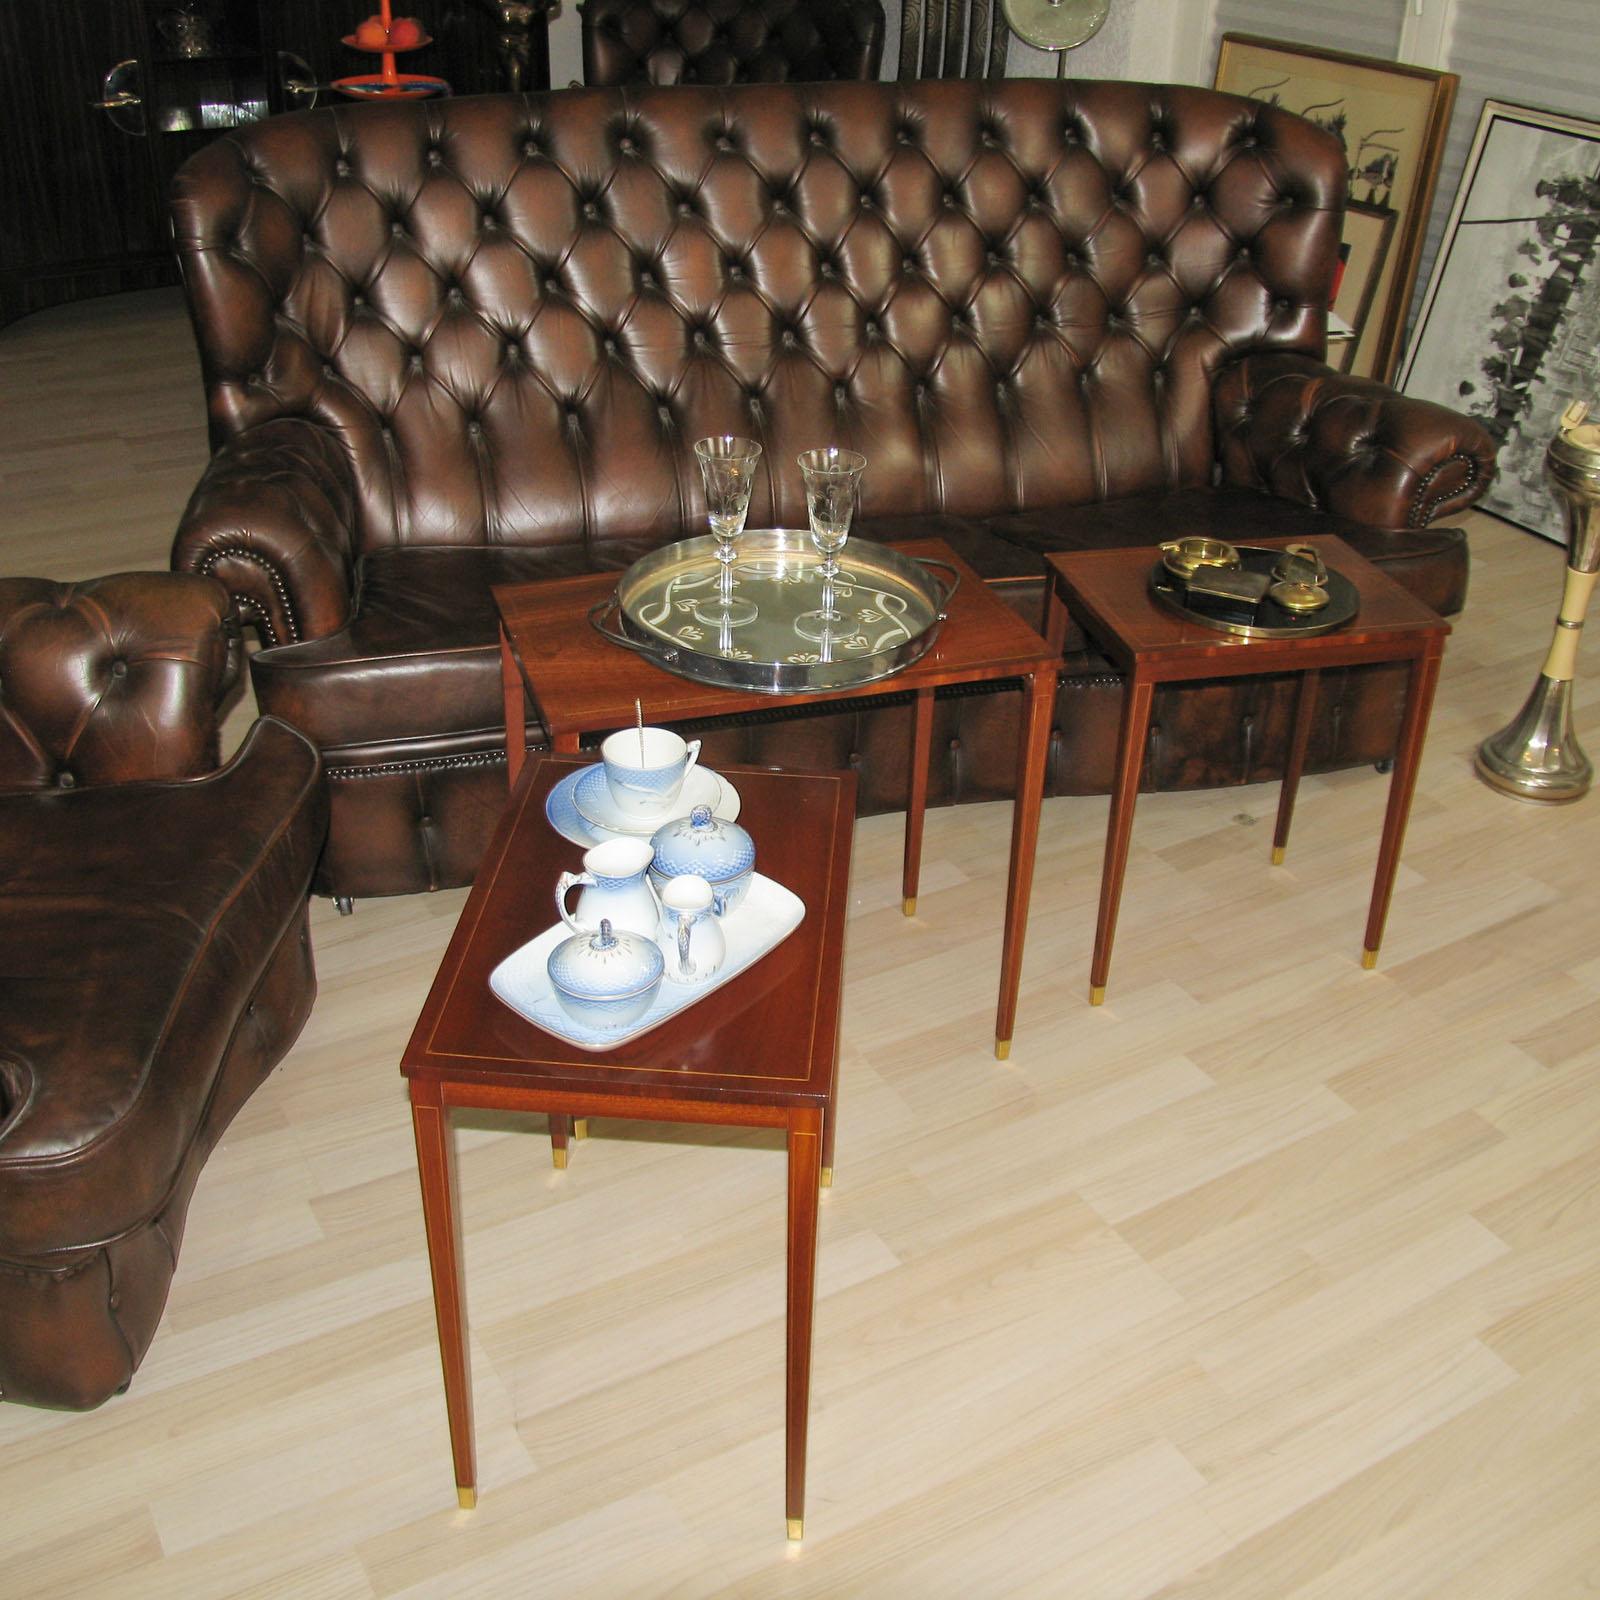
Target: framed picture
[(1510, 325), (1363, 254), (1392, 121)]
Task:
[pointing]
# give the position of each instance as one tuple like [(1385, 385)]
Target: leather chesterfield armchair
[(469, 342), (155, 961), (729, 41)]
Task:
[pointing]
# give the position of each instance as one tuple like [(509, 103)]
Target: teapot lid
[(605, 965), (703, 843)]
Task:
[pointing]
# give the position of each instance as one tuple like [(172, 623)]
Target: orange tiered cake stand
[(387, 83)]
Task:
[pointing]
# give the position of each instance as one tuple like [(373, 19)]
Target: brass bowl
[(1300, 598), (1185, 557)]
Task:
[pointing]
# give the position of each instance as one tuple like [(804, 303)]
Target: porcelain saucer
[(563, 815), (592, 797)]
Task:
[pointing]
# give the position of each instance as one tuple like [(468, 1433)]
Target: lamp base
[(1536, 756)]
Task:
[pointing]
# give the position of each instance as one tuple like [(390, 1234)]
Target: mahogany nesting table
[(1107, 593), (583, 684), (761, 1051)]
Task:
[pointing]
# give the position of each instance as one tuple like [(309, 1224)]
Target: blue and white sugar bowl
[(709, 847), (607, 979)]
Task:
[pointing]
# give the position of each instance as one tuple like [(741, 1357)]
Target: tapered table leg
[(917, 801), (805, 1169), (560, 1134), (1305, 709), (430, 1122), (516, 707), (1032, 752), (1119, 827), (1402, 786)]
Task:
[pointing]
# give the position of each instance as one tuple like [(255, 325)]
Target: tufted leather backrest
[(730, 41), (519, 312), (110, 681)]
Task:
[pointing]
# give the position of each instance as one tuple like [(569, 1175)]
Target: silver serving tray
[(893, 604)]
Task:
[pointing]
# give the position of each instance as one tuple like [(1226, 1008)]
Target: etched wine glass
[(833, 479), (728, 470)]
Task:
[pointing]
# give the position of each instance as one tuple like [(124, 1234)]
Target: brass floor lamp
[(1536, 756)]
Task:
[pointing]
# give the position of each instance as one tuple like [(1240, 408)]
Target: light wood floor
[(1272, 1278)]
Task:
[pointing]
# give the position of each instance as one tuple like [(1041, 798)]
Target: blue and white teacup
[(645, 769)]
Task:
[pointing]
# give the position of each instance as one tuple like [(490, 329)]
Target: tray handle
[(599, 620), (947, 591)]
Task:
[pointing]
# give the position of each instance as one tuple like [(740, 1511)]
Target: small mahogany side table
[(582, 684), (1106, 592), (762, 1051)]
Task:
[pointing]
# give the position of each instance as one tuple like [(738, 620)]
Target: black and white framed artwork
[(1510, 326)]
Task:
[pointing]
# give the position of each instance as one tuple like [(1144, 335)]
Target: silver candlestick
[(1536, 756)]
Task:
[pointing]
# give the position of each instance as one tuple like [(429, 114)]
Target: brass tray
[(893, 605), (1271, 620)]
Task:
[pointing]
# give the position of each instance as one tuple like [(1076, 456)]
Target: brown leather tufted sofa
[(729, 41), (155, 961), (467, 342)]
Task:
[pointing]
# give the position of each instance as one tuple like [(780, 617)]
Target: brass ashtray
[(1185, 557)]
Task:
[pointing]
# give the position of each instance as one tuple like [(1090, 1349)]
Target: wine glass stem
[(725, 554)]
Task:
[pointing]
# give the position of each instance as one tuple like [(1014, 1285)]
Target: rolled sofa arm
[(1297, 429), (273, 517)]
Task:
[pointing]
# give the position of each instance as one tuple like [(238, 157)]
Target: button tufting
[(119, 669), (590, 209), (65, 780), (342, 167)]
